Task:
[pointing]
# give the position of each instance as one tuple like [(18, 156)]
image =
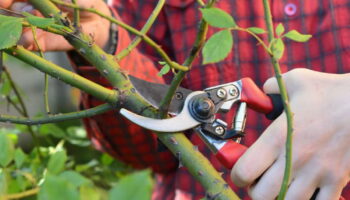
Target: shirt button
[(290, 9)]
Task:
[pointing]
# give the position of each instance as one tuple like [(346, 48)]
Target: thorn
[(173, 140), (200, 173), (195, 147)]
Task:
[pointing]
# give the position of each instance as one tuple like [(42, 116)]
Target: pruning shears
[(197, 110)]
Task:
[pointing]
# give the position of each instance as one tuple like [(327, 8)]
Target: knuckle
[(240, 175)]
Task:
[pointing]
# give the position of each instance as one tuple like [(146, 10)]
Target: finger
[(261, 155), (329, 192), (5, 3), (269, 184), (303, 187)]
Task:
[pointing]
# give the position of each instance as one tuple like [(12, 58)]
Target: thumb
[(271, 86)]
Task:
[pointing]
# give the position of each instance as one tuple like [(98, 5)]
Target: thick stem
[(63, 74), (289, 114), (21, 195), (76, 20), (59, 117)]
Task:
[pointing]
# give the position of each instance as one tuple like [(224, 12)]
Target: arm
[(320, 142)]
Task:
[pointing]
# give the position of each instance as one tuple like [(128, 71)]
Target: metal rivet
[(221, 93), (219, 130), (233, 92), (179, 96)]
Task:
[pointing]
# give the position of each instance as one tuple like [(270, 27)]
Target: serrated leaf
[(5, 85), (217, 47), (56, 162), (129, 187), (106, 159), (75, 178), (20, 157), (298, 37), (165, 69), (57, 188), (218, 18), (3, 183), (278, 49), (7, 150), (279, 29), (10, 32), (256, 30)]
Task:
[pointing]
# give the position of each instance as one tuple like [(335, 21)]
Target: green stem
[(21, 195), (62, 74), (76, 19), (24, 110), (59, 117), (147, 39), (46, 77), (261, 42), (284, 95), (144, 30)]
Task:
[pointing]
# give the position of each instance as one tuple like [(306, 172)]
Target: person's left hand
[(321, 152)]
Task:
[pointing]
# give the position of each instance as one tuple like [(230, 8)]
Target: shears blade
[(153, 93)]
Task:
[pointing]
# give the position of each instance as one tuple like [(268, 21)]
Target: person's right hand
[(91, 24)]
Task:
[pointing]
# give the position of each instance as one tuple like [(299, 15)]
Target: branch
[(144, 30), (284, 95), (59, 117), (21, 195), (147, 39), (63, 74), (179, 144)]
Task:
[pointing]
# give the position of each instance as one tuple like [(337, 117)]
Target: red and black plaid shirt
[(175, 30)]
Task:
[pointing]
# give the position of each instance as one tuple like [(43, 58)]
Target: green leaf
[(256, 30), (20, 157), (130, 187), (10, 31), (298, 37), (278, 49), (57, 188), (40, 21), (217, 47), (106, 159), (7, 150), (75, 178), (218, 18), (5, 85), (57, 162), (87, 192), (279, 29), (52, 129), (3, 182), (165, 69)]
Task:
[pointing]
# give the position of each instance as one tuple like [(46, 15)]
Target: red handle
[(230, 153), (255, 97)]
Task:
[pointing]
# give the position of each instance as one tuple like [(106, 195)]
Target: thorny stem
[(144, 30), (283, 91), (24, 109), (147, 39), (46, 77), (197, 164), (59, 117), (175, 83)]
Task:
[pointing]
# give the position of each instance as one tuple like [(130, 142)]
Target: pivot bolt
[(221, 93), (219, 130), (233, 92)]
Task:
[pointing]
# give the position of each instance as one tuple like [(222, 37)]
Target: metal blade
[(181, 122), (155, 92)]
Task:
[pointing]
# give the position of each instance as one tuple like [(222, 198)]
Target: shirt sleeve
[(114, 134)]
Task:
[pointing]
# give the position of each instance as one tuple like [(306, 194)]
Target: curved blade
[(183, 121), (155, 92)]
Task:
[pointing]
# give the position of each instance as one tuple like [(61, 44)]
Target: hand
[(321, 153), (91, 24)]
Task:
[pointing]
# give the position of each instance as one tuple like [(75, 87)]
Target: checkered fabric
[(175, 30)]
